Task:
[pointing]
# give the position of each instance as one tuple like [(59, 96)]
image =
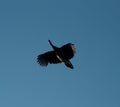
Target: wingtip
[(69, 64), (49, 40), (42, 61)]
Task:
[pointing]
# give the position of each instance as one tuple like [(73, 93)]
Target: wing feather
[(48, 57)]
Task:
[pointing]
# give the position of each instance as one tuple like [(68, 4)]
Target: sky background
[(92, 25)]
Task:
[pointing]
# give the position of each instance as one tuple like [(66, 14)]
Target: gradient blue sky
[(92, 25)]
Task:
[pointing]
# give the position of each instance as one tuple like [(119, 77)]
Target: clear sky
[(92, 25)]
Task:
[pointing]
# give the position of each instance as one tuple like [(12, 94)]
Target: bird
[(58, 55)]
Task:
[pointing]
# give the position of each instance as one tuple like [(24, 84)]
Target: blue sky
[(92, 25)]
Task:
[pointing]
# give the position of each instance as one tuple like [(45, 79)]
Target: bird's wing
[(68, 50), (68, 64), (48, 57)]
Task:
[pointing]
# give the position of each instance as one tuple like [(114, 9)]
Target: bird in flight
[(58, 55)]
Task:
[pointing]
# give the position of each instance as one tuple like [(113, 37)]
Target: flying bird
[(58, 55)]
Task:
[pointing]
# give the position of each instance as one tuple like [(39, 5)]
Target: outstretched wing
[(68, 50), (68, 64), (48, 57)]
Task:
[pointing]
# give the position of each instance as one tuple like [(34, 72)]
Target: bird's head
[(73, 47)]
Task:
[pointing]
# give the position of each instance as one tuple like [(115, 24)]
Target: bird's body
[(58, 55)]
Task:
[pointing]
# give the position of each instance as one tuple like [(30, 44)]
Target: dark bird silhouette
[(58, 55)]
